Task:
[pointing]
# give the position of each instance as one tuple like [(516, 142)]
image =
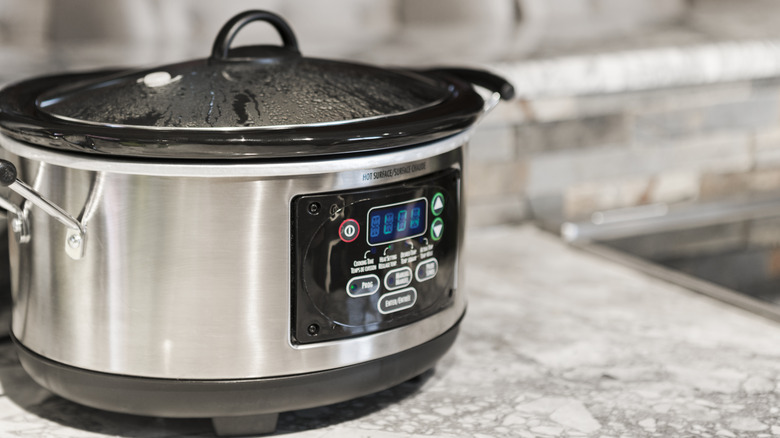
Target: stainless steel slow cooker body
[(237, 236), (186, 269)]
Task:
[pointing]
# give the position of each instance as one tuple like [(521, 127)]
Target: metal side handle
[(498, 87), (77, 233), (483, 78)]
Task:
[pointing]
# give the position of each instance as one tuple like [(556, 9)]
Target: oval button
[(437, 228), (426, 270), (398, 278), (363, 285), (397, 301), (437, 204)]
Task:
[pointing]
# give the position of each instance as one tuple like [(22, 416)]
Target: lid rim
[(22, 120)]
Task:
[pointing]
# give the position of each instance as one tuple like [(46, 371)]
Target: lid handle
[(230, 29)]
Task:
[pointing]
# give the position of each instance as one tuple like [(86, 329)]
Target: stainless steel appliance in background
[(5, 282), (237, 236)]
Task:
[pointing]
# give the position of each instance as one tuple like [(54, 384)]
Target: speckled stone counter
[(556, 343)]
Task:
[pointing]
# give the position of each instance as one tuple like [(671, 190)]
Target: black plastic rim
[(222, 398), (22, 121)]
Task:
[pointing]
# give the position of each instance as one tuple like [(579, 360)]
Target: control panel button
[(437, 204), (426, 270), (437, 228), (397, 301), (363, 286), (349, 230), (398, 278)]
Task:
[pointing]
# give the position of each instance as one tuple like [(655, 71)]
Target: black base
[(248, 425), (219, 399)]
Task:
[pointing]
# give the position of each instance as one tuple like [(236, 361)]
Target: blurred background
[(620, 103), (624, 109)]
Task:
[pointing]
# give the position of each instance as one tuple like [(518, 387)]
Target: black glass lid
[(286, 92), (248, 102)]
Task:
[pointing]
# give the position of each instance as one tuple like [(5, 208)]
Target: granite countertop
[(556, 343)]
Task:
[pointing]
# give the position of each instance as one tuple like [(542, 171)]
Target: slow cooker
[(237, 236)]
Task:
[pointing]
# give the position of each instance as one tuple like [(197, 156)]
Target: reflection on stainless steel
[(180, 269), (5, 281), (11, 207), (729, 250)]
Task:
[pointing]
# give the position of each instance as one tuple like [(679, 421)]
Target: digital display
[(391, 223)]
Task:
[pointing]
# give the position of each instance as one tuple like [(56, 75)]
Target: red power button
[(349, 230)]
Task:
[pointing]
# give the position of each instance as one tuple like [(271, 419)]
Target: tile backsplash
[(567, 157)]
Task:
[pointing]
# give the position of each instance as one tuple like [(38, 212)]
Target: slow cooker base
[(243, 406)]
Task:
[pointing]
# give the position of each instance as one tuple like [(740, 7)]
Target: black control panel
[(371, 260)]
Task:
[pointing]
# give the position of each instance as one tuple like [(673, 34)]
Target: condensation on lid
[(203, 94)]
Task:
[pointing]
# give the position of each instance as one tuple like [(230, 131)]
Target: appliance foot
[(245, 425)]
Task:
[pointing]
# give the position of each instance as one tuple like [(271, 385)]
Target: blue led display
[(397, 222)]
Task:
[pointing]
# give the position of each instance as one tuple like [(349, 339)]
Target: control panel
[(371, 260)]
